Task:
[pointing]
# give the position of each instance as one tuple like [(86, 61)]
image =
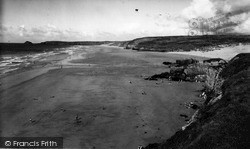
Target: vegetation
[(185, 43), (223, 120)]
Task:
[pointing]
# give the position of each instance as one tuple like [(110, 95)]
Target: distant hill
[(28, 43), (11, 48), (74, 42)]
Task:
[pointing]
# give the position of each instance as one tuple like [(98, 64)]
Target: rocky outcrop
[(223, 121), (187, 70), (217, 60), (186, 62)]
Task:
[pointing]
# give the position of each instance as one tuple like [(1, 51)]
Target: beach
[(96, 97)]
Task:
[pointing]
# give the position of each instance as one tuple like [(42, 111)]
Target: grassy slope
[(224, 123), (184, 43)]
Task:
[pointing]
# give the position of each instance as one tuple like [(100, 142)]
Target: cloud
[(210, 8), (40, 33), (203, 8), (22, 31), (235, 12), (51, 32), (3, 28), (232, 6), (158, 24), (243, 28)]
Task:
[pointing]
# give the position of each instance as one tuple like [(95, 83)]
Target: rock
[(183, 115), (191, 105), (194, 106), (166, 63), (77, 119), (159, 76), (216, 61), (186, 62), (200, 78), (177, 74), (31, 120), (63, 110)]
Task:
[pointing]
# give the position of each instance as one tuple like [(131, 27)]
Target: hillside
[(223, 121), (184, 43)]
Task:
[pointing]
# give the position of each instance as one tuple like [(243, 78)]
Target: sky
[(98, 20)]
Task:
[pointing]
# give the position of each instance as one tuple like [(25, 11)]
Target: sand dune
[(225, 53)]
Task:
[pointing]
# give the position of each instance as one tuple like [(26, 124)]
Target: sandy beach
[(104, 87), (225, 53)]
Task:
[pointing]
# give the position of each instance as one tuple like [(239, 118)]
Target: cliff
[(223, 120)]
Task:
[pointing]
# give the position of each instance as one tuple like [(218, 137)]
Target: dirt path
[(117, 107)]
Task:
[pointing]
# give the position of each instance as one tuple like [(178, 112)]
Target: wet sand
[(104, 86)]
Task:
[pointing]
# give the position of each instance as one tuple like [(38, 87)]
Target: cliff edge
[(223, 120)]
